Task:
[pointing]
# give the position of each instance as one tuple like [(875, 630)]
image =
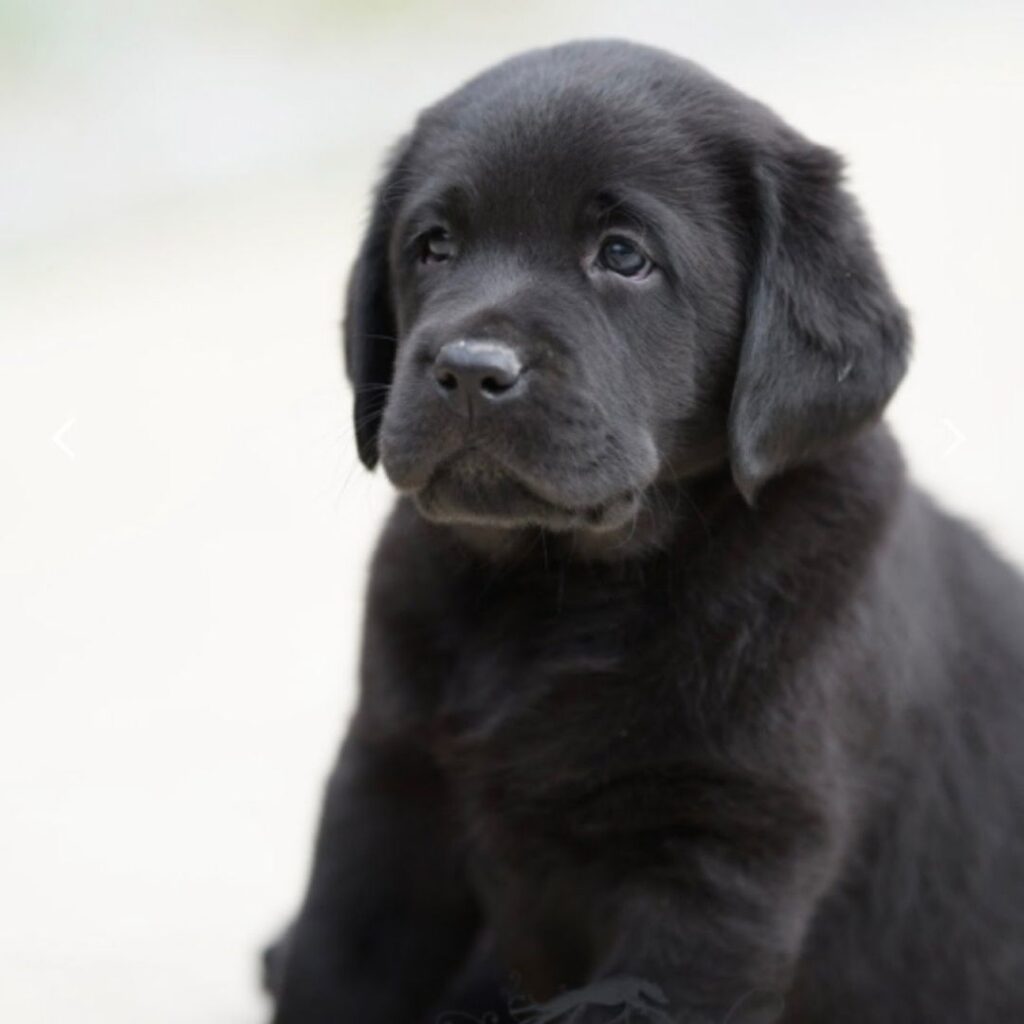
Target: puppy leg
[(389, 915), (482, 993), (714, 957)]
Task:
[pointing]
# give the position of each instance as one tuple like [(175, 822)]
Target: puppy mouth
[(474, 489)]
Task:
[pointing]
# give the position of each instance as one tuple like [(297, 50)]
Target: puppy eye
[(437, 245), (621, 256)]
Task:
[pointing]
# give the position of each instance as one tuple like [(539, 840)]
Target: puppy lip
[(510, 499), (407, 475)]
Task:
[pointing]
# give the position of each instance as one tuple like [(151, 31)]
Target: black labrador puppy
[(678, 700)]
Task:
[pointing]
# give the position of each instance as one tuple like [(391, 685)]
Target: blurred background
[(184, 526)]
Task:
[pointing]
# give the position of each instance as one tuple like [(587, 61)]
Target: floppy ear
[(370, 329), (826, 342)]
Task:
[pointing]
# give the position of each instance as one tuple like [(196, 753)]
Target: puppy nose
[(476, 374)]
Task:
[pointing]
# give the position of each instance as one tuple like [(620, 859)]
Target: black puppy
[(672, 684)]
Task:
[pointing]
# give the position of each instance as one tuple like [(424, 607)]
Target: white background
[(184, 527)]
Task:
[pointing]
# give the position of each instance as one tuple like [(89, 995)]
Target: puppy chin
[(477, 492), (457, 510)]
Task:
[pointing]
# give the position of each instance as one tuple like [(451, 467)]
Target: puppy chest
[(568, 761)]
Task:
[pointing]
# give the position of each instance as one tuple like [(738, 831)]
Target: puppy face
[(595, 267)]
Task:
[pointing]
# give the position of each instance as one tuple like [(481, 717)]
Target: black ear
[(826, 342), (370, 328)]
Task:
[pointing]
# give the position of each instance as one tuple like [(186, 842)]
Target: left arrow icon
[(59, 438)]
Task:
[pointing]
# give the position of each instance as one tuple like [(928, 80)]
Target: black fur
[(669, 675)]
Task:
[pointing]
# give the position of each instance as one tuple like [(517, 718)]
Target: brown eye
[(438, 246), (621, 256)]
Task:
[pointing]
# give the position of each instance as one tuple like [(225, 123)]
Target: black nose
[(473, 375)]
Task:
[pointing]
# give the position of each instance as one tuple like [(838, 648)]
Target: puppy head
[(594, 267)]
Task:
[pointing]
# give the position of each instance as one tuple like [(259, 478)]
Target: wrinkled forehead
[(527, 155)]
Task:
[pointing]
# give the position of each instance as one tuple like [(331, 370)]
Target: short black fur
[(669, 673)]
